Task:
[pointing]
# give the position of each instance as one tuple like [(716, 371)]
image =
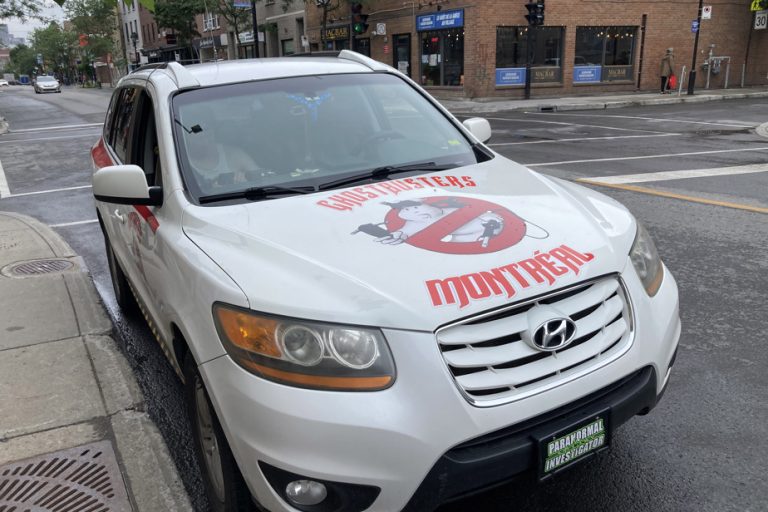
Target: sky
[(19, 29)]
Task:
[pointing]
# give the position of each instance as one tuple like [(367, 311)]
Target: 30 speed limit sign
[(761, 20)]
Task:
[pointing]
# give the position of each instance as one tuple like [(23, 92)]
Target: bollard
[(682, 79), (727, 72), (743, 71)]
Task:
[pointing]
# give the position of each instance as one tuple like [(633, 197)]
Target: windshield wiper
[(380, 173), (257, 193)]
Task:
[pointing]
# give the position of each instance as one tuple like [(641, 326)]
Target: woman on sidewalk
[(667, 70)]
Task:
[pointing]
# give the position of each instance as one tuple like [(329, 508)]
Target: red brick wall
[(668, 25)]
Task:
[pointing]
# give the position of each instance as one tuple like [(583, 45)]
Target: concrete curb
[(587, 103), (96, 399)]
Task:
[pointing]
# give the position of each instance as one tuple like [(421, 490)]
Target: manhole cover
[(75, 480), (29, 268)]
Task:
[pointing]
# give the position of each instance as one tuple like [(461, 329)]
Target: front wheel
[(123, 295), (224, 485)]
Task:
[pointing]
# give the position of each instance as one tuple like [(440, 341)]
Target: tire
[(224, 485), (123, 295)]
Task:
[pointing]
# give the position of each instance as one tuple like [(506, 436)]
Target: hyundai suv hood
[(415, 252)]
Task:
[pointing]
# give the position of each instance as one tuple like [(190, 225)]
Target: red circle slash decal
[(453, 225)]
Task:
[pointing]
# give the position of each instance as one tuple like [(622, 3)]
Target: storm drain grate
[(40, 267), (82, 479)]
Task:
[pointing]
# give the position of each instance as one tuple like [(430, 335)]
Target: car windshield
[(45, 79), (309, 132)]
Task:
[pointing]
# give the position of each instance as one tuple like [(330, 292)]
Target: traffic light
[(535, 14), (359, 20)]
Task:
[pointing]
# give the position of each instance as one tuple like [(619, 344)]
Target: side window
[(146, 150), (110, 117), (124, 123)]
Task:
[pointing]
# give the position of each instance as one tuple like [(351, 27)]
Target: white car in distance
[(370, 309)]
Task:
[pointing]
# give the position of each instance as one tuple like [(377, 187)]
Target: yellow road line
[(672, 195)]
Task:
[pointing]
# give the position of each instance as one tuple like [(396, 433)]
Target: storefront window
[(442, 57), (511, 55), (442, 47), (604, 54)]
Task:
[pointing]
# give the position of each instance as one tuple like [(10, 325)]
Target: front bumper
[(403, 440)]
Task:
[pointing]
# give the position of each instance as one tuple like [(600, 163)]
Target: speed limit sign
[(761, 20)]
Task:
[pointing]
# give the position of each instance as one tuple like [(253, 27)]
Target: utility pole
[(692, 73), (255, 30)]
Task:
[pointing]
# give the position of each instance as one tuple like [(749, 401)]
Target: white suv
[(370, 309)]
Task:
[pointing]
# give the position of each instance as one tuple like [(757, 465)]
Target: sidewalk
[(64, 384), (491, 105)]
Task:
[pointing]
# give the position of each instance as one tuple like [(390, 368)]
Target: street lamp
[(134, 38)]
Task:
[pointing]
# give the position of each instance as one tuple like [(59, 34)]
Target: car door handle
[(119, 217)]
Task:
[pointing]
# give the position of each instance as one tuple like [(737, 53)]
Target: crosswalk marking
[(678, 175)]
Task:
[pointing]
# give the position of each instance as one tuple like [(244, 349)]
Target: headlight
[(303, 353), (646, 261)]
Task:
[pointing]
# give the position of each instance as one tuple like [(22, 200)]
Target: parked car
[(3, 82), (370, 308), (45, 83)]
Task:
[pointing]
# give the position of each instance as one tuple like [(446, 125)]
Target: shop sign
[(440, 20), (336, 33), (545, 75), (617, 73), (510, 76), (586, 74)]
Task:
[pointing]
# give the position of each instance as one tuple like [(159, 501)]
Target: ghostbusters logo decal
[(451, 225)]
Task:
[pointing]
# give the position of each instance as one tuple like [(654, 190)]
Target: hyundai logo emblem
[(554, 334)]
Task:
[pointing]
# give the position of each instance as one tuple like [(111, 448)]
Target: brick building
[(478, 48)]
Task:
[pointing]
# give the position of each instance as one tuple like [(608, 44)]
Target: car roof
[(234, 71)]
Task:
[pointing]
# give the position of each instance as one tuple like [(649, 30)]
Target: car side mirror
[(479, 127), (125, 184)]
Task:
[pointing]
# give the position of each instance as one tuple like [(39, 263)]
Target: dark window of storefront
[(604, 54), (511, 44), (402, 53), (442, 57), (363, 46), (287, 47)]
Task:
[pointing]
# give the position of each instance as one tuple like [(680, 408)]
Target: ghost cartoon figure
[(474, 228)]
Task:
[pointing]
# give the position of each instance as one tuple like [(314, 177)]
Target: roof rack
[(178, 73), (324, 53)]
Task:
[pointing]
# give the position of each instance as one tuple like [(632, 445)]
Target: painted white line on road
[(58, 127), (573, 124), (654, 119), (580, 139), (678, 175), (668, 155), (18, 141), (78, 223), (4, 190), (51, 191)]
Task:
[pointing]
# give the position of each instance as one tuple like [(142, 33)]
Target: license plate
[(572, 444)]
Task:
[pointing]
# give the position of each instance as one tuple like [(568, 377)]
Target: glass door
[(402, 53)]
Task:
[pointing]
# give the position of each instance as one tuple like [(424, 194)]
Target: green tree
[(23, 60), (179, 16), (25, 9), (238, 19), (95, 19), (57, 46)]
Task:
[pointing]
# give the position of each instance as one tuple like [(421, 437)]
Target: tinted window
[(124, 115)]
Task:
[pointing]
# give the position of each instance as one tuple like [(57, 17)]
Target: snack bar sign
[(440, 20)]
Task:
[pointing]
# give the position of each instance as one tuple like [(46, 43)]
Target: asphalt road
[(702, 193)]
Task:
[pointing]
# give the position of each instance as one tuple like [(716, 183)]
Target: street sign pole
[(528, 60), (692, 73)]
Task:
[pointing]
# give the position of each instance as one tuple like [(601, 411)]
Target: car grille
[(491, 363)]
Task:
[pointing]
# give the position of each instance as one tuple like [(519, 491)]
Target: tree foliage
[(58, 47), (23, 60), (96, 20), (179, 16), (25, 9)]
